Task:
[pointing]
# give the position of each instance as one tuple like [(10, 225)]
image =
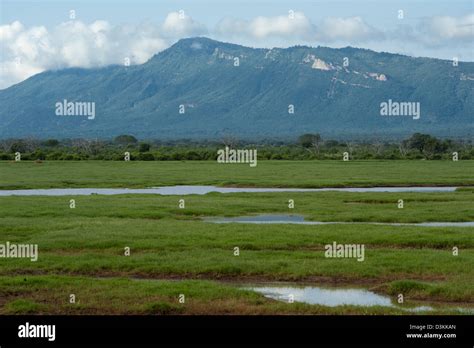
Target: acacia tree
[(230, 141), (403, 148), (82, 145), (311, 142), (429, 148), (378, 146), (350, 148), (31, 144), (125, 139), (425, 144), (6, 145)]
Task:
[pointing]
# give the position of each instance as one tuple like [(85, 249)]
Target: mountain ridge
[(229, 89)]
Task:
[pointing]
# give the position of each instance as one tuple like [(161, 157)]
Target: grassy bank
[(15, 175), (50, 295), (320, 206)]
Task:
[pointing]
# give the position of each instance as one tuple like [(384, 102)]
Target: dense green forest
[(305, 147)]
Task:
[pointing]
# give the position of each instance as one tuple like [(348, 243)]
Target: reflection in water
[(333, 297), (326, 297), (299, 220)]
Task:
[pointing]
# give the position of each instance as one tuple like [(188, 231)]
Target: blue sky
[(377, 12), (40, 35)]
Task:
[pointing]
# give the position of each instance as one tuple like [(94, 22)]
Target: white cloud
[(182, 25), (10, 30), (442, 28), (442, 37), (349, 29), (28, 51), (298, 29), (294, 26)]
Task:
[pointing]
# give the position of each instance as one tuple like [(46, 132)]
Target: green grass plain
[(25, 174), (81, 250)]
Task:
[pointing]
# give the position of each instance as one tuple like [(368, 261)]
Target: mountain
[(334, 92)]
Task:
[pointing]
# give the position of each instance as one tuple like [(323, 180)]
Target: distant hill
[(250, 100)]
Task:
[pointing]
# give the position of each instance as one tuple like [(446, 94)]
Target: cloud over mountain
[(350, 29), (27, 51), (443, 28), (294, 25)]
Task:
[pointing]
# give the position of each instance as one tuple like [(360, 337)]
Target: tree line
[(306, 147)]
